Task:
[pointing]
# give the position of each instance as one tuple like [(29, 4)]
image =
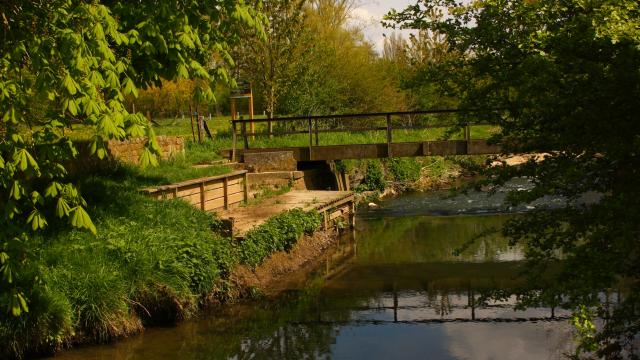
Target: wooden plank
[(236, 198), (214, 204), (192, 199), (238, 173), (232, 189), (188, 190)]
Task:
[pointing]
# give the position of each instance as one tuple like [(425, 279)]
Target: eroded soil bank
[(272, 275)]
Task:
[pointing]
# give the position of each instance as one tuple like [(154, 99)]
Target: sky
[(369, 13)]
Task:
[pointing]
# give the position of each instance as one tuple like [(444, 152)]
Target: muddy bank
[(275, 272)]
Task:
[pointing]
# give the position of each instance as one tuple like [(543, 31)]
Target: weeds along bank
[(151, 262), (396, 175)]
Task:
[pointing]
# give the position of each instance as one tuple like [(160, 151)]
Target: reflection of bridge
[(313, 126)]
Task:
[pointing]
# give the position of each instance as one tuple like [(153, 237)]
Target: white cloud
[(369, 15)]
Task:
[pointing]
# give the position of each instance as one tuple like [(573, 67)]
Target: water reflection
[(396, 291)]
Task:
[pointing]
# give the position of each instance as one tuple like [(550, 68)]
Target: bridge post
[(316, 126), (467, 132), (467, 136), (389, 136)]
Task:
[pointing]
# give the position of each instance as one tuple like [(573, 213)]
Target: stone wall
[(129, 150), (270, 161)]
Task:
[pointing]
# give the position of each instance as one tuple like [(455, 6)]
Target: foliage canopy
[(65, 62), (566, 78)]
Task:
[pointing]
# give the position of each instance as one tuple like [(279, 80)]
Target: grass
[(151, 262), (221, 131), (181, 167)]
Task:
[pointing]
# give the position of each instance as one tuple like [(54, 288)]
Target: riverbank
[(151, 263), (381, 178)]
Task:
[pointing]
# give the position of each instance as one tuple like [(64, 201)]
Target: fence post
[(467, 132), (310, 136), (203, 198), (233, 140), (225, 192), (389, 136), (244, 134), (245, 187)]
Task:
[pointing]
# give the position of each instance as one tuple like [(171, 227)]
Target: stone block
[(270, 161)]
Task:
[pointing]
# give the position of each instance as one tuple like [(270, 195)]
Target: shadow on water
[(395, 289)]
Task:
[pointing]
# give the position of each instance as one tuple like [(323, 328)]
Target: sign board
[(242, 91)]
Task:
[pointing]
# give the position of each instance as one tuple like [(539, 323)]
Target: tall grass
[(151, 262)]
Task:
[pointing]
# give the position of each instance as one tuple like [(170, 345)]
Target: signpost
[(243, 91)]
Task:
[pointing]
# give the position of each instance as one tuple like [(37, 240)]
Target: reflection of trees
[(290, 342), (424, 238), (440, 302)]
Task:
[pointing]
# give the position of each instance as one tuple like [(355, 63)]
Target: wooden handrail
[(361, 115), (312, 125)]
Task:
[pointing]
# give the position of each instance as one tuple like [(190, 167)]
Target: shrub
[(404, 169), (278, 233), (373, 178)]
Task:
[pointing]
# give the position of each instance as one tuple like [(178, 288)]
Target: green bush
[(404, 169), (373, 178), (278, 233)]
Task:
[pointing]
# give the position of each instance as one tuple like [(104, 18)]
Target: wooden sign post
[(243, 92)]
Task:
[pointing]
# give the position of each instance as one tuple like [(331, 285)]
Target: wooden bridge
[(304, 135)]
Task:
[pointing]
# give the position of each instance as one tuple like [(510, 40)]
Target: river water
[(395, 288)]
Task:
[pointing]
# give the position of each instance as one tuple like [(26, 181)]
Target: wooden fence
[(208, 193)]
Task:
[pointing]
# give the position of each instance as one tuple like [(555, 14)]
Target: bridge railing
[(314, 125)]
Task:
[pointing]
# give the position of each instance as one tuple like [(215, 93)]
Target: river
[(395, 288)]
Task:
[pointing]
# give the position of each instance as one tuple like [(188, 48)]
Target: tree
[(266, 58), (565, 76), (78, 61), (340, 72)]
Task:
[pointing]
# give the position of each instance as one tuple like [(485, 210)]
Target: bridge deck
[(372, 151)]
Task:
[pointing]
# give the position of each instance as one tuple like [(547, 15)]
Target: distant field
[(181, 168)]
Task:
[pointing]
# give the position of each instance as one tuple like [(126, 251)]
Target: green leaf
[(182, 71), (80, 219), (37, 220), (23, 160), (70, 85), (147, 158), (52, 190), (136, 130), (7, 273), (70, 105), (23, 302), (62, 208), (16, 190), (91, 107), (10, 115), (129, 87), (4, 257)]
